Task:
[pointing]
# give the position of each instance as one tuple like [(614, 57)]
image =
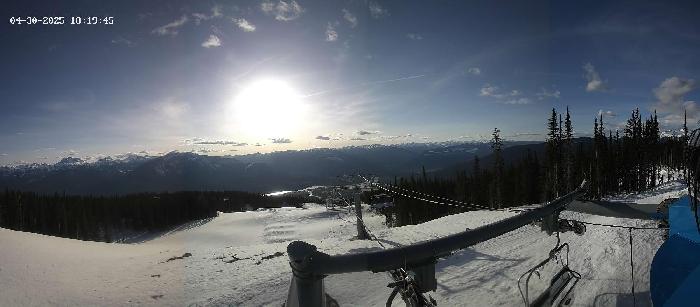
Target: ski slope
[(240, 259)]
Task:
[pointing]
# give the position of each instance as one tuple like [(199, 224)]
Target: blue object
[(682, 220), (675, 269)]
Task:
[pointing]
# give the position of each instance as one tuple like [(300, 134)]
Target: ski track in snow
[(240, 259)]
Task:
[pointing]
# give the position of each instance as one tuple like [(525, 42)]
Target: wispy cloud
[(376, 10), (494, 91), (331, 33), (506, 97), (350, 18), (171, 28), (281, 141), (358, 139), (474, 71), (323, 138), (172, 108), (544, 94), (215, 13), (414, 36), (244, 24), (367, 132), (212, 41), (521, 100), (122, 41), (282, 10), (595, 83), (606, 113), (670, 95), (524, 134), (200, 141)]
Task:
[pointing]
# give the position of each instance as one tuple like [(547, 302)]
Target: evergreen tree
[(568, 151), (496, 146), (552, 156)]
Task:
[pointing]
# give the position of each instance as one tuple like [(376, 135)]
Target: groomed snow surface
[(240, 259)]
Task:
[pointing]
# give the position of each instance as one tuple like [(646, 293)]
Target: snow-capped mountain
[(254, 172)]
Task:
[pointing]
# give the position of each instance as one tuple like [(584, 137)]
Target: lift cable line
[(450, 202)]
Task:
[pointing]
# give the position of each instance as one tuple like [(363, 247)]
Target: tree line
[(109, 219), (631, 159)]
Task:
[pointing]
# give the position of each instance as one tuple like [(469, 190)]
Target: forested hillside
[(633, 159), (109, 218)]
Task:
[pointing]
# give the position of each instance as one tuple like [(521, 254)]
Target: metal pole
[(361, 233), (306, 288)]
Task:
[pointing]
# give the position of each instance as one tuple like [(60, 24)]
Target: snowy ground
[(239, 259)]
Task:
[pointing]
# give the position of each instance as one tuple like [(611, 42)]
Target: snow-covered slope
[(240, 259)]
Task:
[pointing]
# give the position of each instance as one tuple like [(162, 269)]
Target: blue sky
[(170, 75)]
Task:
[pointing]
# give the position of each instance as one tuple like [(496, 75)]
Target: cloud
[(488, 90), (366, 132), (670, 95), (171, 28), (215, 13), (173, 108), (212, 41), (376, 10), (323, 138), (281, 141), (595, 84), (548, 94), (394, 137), (350, 18), (607, 114), (512, 97), (526, 134), (282, 10), (244, 24), (414, 36), (200, 141), (521, 100), (3, 154), (494, 91), (474, 71), (331, 34), (358, 139), (122, 41)]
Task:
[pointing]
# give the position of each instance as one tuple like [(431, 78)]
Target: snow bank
[(240, 259)]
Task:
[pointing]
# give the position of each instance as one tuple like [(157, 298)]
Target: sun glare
[(269, 109)]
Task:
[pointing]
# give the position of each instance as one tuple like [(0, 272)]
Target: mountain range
[(284, 170)]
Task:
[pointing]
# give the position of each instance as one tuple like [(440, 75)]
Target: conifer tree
[(552, 155), (496, 146)]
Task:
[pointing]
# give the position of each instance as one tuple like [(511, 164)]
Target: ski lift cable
[(429, 195), (456, 203), (422, 199), (616, 226)]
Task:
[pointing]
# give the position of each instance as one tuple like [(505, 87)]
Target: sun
[(269, 109)]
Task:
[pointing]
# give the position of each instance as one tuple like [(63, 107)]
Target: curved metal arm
[(416, 254)]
